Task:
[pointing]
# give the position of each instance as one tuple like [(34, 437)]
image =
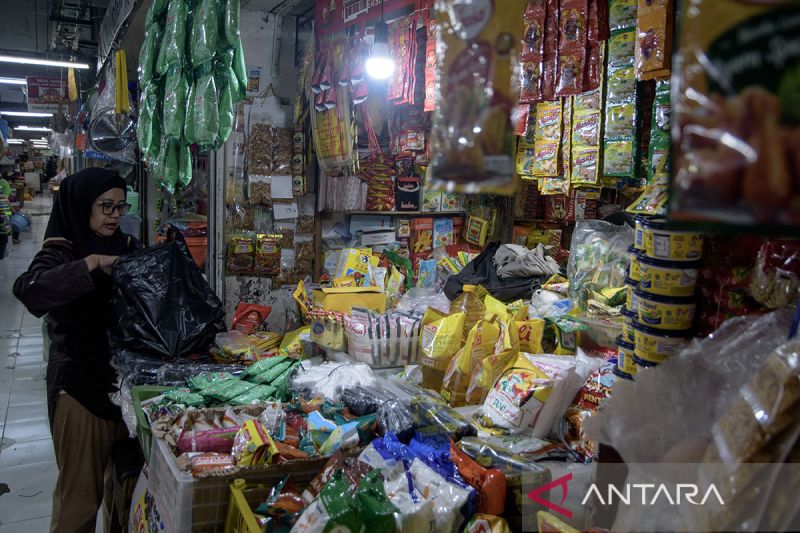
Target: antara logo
[(678, 494)]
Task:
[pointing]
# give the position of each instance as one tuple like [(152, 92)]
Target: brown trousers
[(82, 445)]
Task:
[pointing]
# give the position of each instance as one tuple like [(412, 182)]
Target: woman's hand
[(103, 262)]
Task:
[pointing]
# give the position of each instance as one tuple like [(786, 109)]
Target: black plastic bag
[(165, 308), (481, 271)]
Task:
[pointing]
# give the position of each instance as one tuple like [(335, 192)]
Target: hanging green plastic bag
[(205, 32), (144, 127), (226, 111), (154, 13), (149, 54), (175, 90), (171, 165), (173, 44), (184, 165), (189, 127), (240, 68), (229, 27), (206, 107)]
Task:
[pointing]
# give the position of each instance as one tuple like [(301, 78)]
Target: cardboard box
[(372, 238), (345, 298)]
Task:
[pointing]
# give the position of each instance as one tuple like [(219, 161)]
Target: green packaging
[(264, 364), (227, 390), (185, 396), (173, 43), (205, 32), (205, 112), (377, 512), (203, 380), (259, 393), (174, 114)]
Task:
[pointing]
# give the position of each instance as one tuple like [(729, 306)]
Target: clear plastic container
[(472, 307)]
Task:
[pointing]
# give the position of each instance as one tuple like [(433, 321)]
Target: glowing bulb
[(379, 67)]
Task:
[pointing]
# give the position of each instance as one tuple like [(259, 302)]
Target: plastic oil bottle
[(468, 303)]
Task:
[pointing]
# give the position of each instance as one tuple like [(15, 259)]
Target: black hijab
[(72, 210)]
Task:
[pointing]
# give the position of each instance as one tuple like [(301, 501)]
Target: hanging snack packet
[(253, 445), (205, 32), (267, 255), (473, 135), (571, 47), (532, 55), (148, 55), (229, 32), (240, 254)]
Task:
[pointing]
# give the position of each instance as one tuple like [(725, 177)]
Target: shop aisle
[(27, 464)]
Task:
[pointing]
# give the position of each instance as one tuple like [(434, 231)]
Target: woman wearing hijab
[(70, 281)]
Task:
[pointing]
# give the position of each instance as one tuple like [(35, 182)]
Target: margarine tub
[(620, 374), (628, 318), (625, 356), (654, 346), (641, 363), (633, 269), (666, 278), (630, 298), (670, 245), (664, 312), (638, 235)]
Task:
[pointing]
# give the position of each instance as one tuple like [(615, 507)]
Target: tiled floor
[(27, 465)]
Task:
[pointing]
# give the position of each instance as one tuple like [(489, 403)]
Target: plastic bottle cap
[(469, 288)]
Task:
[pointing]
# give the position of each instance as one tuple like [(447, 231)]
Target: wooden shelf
[(528, 219), (396, 213)]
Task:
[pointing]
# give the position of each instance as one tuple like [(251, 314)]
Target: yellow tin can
[(671, 245), (667, 278)]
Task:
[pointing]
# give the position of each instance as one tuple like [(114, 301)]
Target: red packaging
[(521, 115), (550, 56), (248, 318), (430, 67), (532, 53), (571, 47), (580, 206)]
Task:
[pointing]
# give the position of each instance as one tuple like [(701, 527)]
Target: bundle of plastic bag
[(330, 380), (174, 114), (204, 108), (173, 43), (205, 32)]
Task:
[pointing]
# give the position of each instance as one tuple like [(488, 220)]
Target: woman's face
[(111, 201)]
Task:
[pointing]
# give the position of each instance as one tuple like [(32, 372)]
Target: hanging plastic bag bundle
[(205, 32), (240, 68), (173, 42), (226, 85), (149, 54), (184, 165), (175, 90), (205, 112), (229, 23)]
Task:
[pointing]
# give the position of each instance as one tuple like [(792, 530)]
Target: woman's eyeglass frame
[(109, 208)]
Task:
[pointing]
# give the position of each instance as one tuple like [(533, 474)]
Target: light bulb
[(379, 67)]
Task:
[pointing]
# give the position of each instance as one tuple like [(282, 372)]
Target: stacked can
[(661, 315), (626, 366)]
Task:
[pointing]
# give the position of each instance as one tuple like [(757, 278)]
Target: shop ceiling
[(46, 29)]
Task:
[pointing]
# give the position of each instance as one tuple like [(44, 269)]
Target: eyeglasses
[(109, 208)]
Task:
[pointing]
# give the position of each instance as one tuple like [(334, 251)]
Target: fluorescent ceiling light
[(32, 128), (14, 141), (14, 81), (25, 114), (43, 62)]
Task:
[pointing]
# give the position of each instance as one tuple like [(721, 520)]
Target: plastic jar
[(671, 245), (654, 346), (625, 354), (665, 312), (667, 278), (633, 269)]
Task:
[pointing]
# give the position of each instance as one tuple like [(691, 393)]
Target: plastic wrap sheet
[(698, 385)]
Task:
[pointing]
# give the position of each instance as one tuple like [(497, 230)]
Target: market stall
[(441, 287)]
